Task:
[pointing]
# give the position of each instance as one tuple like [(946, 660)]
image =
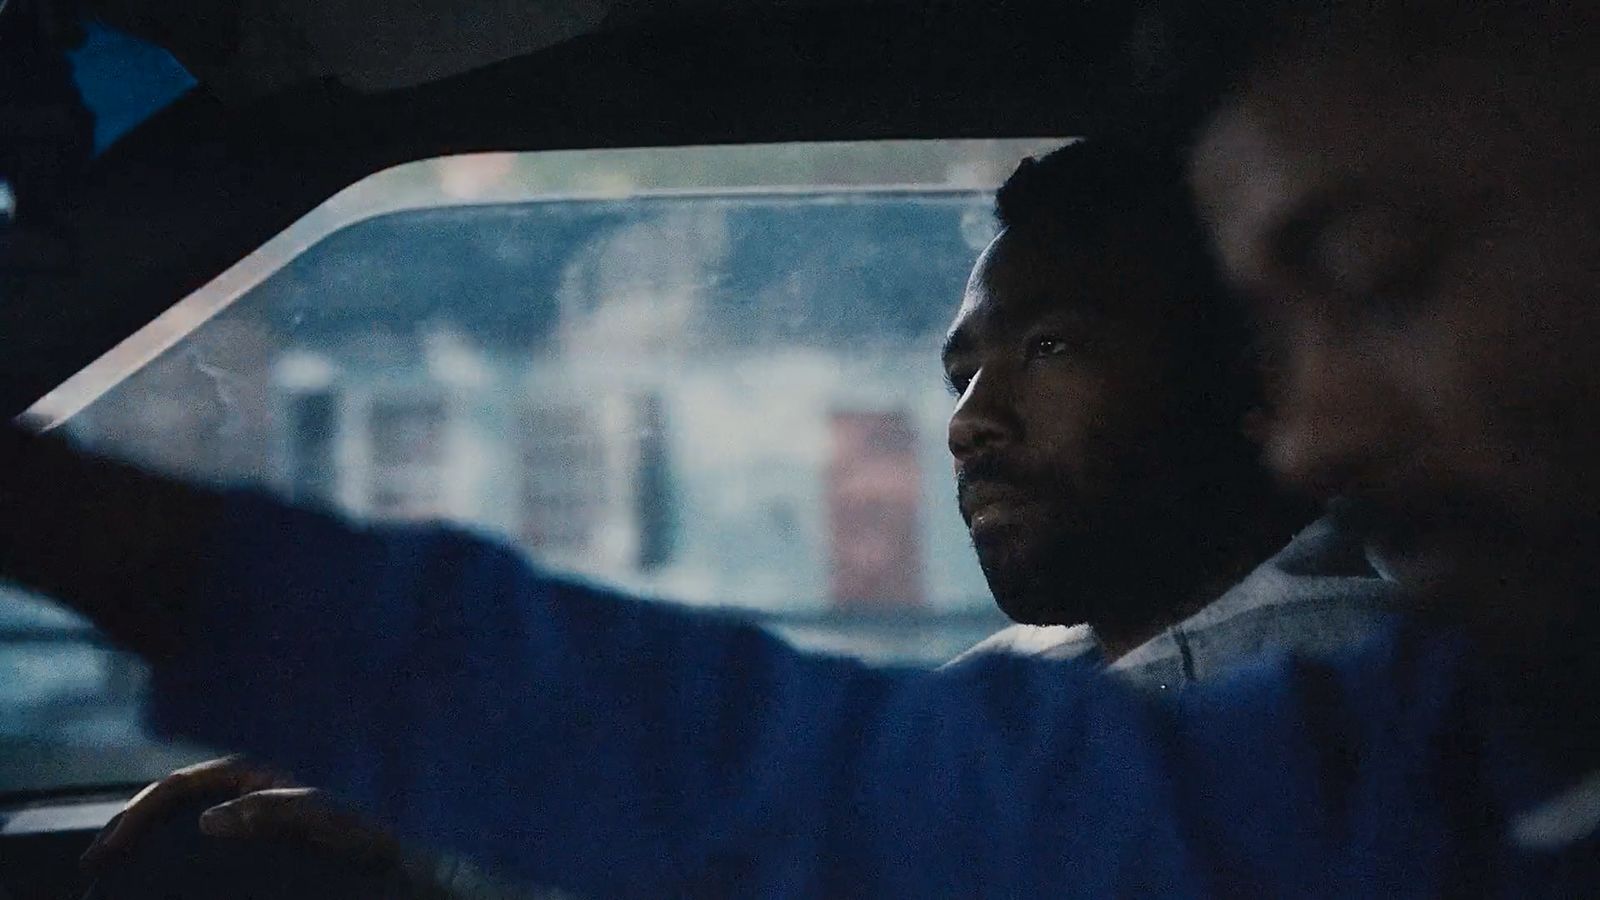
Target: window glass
[(708, 375)]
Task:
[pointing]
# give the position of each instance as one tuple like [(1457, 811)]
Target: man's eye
[(1400, 291), (957, 382), (1385, 261), (1389, 308), (1049, 345)]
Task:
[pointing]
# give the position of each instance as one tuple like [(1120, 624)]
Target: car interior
[(378, 225)]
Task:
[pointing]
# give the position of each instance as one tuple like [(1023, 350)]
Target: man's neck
[(1118, 638), (1120, 635)]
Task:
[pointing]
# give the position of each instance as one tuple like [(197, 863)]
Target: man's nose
[(1335, 422), (983, 420)]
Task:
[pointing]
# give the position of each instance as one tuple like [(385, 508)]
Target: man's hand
[(268, 806), (123, 547)]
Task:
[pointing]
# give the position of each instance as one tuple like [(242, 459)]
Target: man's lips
[(1422, 541), (988, 503), (1420, 560)]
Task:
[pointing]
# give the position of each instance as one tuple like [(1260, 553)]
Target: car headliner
[(210, 178)]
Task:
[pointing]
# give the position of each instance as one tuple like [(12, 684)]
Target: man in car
[(1437, 298), (1102, 462)]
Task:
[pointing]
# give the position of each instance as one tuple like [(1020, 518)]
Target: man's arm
[(122, 547), (570, 736)]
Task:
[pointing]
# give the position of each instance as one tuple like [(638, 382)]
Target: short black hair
[(1093, 193), (1084, 187)]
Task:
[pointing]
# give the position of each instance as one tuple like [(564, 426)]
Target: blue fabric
[(573, 737), (124, 81)]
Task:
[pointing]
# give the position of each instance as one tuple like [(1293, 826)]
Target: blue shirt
[(569, 736)]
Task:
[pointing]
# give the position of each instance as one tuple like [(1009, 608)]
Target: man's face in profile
[(1056, 358), (1419, 234)]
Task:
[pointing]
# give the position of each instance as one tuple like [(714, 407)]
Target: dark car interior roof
[(210, 178)]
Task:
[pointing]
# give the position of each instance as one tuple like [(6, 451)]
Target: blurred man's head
[(1409, 194), (1098, 441)]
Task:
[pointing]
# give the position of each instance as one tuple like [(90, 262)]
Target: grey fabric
[(1315, 596), (1046, 642)]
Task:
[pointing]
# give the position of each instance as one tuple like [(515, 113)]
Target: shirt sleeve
[(565, 735)]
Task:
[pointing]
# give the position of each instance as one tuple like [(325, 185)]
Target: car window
[(708, 375)]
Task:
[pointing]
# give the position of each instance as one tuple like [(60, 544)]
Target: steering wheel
[(175, 861)]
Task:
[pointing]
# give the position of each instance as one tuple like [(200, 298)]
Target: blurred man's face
[(1421, 243), (1058, 362)]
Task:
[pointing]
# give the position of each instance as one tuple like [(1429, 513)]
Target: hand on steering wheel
[(268, 806)]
